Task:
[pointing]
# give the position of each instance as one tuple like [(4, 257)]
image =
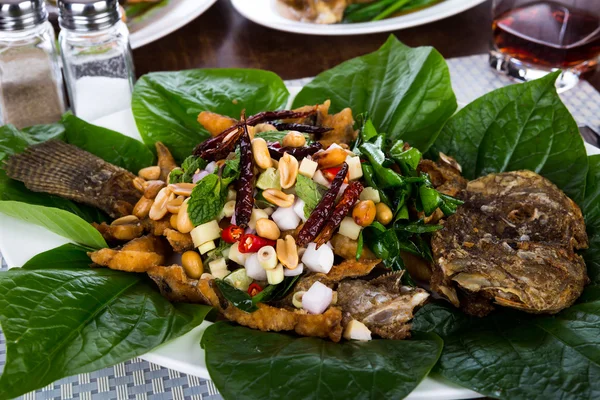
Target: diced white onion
[(318, 260), (253, 268), (229, 208), (198, 177), (319, 178), (317, 298), (249, 231), (299, 208), (211, 167), (286, 218), (236, 256), (294, 272), (354, 168), (356, 330)]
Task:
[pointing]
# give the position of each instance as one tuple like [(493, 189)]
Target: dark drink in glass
[(531, 38)]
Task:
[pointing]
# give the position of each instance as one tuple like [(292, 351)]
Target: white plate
[(165, 20), (264, 12), (19, 241)]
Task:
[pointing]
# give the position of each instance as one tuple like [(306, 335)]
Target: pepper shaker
[(96, 55), (31, 88)]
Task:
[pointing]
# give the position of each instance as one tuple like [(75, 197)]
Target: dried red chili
[(322, 211), (348, 200), (276, 151), (215, 145), (286, 126), (232, 233), (245, 184), (250, 243), (221, 150), (254, 289)]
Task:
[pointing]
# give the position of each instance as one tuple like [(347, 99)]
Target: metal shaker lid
[(87, 15), (16, 15)]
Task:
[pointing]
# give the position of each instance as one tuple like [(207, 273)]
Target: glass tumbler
[(533, 37)]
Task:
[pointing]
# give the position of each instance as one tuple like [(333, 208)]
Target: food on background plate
[(335, 11)]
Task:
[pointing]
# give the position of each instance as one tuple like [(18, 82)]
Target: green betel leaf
[(514, 355), (166, 104), (61, 222), (68, 321), (406, 91), (14, 141), (267, 364), (66, 256), (590, 206), (524, 126), (107, 144)]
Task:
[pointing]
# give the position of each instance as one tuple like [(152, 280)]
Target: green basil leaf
[(406, 91), (265, 363), (66, 256), (206, 201), (409, 158), (524, 126), (359, 245), (309, 192), (238, 298), (61, 322), (430, 199), (61, 222), (166, 104), (276, 292), (386, 177), (418, 227), (107, 144)]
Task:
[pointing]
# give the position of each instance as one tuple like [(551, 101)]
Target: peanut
[(293, 139), (288, 171), (287, 252), (173, 221), (159, 208), (364, 212), (331, 157), (150, 173), (152, 188), (139, 184), (174, 205), (184, 224), (142, 207), (126, 220), (267, 229), (127, 232), (182, 189), (261, 153), (259, 128), (192, 264), (278, 198), (384, 213)]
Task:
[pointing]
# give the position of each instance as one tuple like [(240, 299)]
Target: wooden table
[(223, 38)]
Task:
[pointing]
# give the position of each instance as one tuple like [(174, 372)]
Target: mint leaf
[(185, 174), (206, 201), (310, 192)]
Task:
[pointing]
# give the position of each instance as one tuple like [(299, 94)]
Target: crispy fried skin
[(119, 232), (175, 286), (136, 256), (180, 242), (166, 162), (342, 124), (156, 228), (215, 123)]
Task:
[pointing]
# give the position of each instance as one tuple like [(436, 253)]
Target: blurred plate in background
[(265, 12)]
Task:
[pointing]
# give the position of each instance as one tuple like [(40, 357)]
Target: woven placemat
[(140, 380)]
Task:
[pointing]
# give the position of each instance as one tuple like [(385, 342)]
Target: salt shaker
[(96, 55), (31, 87)]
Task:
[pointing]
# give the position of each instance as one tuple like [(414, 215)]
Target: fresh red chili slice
[(232, 233), (250, 243), (254, 289), (330, 173)]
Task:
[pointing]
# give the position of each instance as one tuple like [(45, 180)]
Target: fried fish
[(512, 243)]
